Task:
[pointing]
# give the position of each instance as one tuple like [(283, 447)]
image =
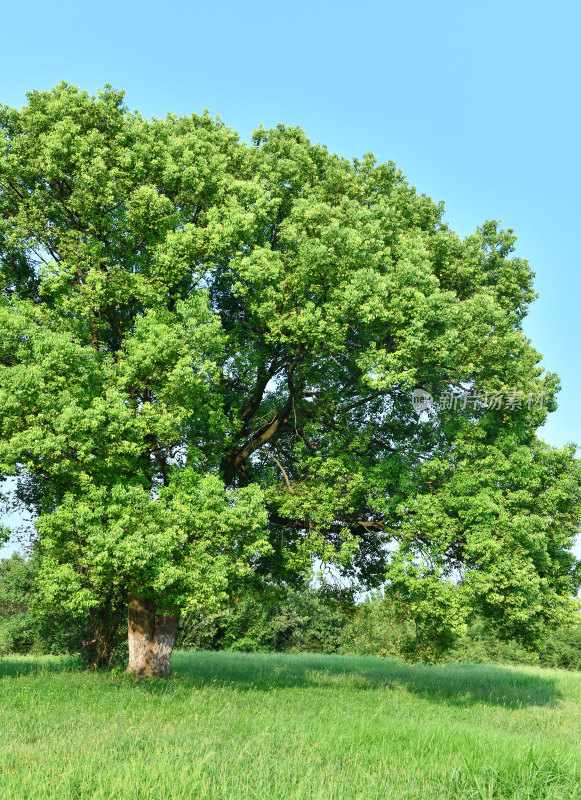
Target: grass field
[(230, 725)]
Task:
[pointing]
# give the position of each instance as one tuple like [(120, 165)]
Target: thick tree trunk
[(151, 638)]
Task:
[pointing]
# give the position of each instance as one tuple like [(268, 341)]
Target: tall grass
[(234, 725)]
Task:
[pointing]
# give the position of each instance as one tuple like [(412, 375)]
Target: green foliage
[(377, 628), (29, 625), (482, 645), (562, 649), (281, 620), (206, 356), (185, 544), (16, 634), (504, 516)]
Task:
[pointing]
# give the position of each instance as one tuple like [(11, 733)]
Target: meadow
[(234, 725)]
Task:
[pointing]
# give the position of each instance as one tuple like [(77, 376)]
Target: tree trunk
[(151, 638)]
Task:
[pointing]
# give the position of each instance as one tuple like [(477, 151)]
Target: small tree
[(207, 353), (16, 632)]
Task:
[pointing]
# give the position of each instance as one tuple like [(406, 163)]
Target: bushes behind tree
[(271, 619)]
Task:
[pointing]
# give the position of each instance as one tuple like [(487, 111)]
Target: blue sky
[(477, 103)]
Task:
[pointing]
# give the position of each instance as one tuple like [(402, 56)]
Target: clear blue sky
[(478, 103)]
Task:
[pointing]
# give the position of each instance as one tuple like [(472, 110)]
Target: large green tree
[(206, 358)]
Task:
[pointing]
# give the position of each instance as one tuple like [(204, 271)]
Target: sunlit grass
[(230, 725)]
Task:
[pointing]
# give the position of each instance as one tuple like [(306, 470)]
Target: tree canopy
[(207, 352)]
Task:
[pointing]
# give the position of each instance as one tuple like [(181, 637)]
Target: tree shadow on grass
[(13, 666), (452, 684), (461, 685)]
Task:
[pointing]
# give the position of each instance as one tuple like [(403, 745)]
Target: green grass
[(230, 725)]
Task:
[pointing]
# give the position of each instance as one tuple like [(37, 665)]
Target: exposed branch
[(281, 468), (264, 434)]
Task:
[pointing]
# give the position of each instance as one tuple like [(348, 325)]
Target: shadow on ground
[(27, 665), (452, 684), (456, 684)]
